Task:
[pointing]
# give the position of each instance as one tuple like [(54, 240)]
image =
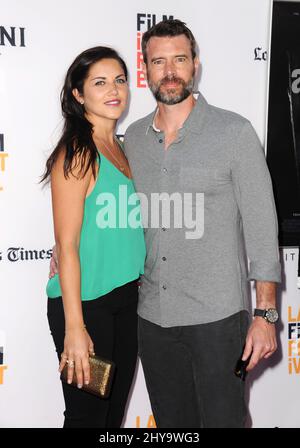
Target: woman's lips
[(113, 103)]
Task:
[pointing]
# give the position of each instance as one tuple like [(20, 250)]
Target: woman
[(92, 300)]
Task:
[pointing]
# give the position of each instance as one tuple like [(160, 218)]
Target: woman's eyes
[(117, 81)]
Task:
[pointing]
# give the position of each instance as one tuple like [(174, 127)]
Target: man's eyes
[(163, 61)]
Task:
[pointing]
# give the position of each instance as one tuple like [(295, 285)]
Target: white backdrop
[(233, 37)]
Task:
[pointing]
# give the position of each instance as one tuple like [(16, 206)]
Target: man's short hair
[(168, 28)]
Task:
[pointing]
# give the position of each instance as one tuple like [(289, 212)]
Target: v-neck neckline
[(101, 154)]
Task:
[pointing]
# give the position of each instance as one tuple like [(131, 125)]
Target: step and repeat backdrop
[(38, 41)]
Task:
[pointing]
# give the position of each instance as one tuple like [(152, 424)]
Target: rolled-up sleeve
[(254, 195)]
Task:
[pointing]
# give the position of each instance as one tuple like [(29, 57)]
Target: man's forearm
[(265, 294)]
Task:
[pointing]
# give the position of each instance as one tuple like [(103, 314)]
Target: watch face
[(271, 315)]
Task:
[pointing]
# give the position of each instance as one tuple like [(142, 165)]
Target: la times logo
[(19, 254), (144, 23), (260, 54)]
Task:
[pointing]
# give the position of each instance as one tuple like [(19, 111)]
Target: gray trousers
[(189, 372)]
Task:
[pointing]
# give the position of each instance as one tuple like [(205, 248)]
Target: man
[(193, 318)]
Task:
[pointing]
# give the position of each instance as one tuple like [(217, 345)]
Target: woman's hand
[(77, 347)]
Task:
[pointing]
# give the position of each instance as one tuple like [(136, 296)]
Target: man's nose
[(170, 68)]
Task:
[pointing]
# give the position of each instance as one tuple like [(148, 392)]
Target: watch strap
[(258, 312)]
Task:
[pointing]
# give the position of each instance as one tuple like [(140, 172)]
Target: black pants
[(189, 373), (111, 322)]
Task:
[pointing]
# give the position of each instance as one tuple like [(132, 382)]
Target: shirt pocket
[(203, 179)]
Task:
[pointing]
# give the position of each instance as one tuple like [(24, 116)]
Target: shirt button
[(165, 170), (164, 287), (160, 140), (164, 258)]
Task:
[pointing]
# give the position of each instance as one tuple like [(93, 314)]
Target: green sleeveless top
[(112, 247)]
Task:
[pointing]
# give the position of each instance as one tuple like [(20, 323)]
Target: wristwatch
[(270, 314)]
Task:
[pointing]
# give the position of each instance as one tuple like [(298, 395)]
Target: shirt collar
[(194, 119)]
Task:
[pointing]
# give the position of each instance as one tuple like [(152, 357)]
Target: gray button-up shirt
[(203, 277)]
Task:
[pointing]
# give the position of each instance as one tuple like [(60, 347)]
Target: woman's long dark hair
[(76, 137)]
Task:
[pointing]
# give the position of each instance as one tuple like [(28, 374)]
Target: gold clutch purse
[(101, 376)]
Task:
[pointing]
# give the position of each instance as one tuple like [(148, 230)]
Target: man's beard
[(170, 96)]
